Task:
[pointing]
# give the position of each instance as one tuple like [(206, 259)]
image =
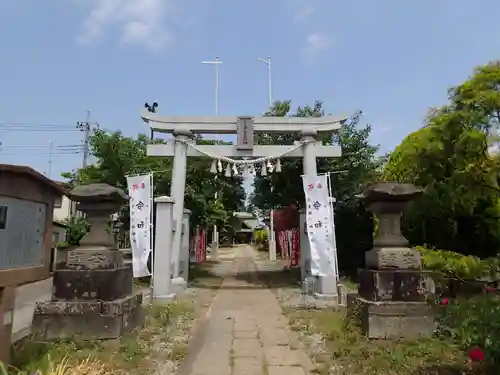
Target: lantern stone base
[(391, 319), (87, 320), (395, 285), (393, 257), (96, 284)]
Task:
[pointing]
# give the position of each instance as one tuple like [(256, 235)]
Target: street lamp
[(216, 62), (272, 237), (269, 78)]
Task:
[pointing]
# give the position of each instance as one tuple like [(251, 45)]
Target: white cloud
[(316, 43), (139, 21), (303, 9)]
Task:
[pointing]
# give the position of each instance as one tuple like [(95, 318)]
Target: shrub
[(473, 324), (77, 227), (260, 236), (459, 266)]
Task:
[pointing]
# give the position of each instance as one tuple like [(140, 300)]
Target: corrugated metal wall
[(21, 242)]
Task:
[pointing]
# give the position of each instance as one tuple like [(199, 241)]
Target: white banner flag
[(319, 223), (139, 188)]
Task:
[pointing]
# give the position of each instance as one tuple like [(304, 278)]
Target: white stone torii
[(183, 129)]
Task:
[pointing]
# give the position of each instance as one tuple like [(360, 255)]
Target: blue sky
[(391, 58)]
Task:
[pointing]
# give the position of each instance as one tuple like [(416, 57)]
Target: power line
[(31, 152), (24, 126), (3, 146)]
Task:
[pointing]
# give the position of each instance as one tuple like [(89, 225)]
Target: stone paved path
[(245, 332)]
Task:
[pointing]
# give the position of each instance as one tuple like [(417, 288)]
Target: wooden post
[(7, 298)]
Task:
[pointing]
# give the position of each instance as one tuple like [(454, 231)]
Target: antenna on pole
[(152, 109)]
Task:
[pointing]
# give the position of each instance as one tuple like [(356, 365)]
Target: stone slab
[(246, 334), (394, 285), (248, 366), (394, 320), (87, 320), (250, 348), (281, 356), (244, 325), (94, 259), (285, 370), (96, 284), (274, 337), (393, 257)]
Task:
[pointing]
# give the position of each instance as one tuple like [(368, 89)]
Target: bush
[(77, 227), (473, 323), (455, 265), (260, 237)]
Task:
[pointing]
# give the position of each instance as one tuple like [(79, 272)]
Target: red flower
[(444, 301), (476, 354), (490, 289)]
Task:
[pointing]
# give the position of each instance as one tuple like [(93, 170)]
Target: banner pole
[(332, 213), (151, 231)]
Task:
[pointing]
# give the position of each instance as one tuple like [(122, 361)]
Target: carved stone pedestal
[(92, 296), (97, 284), (391, 300), (87, 320), (392, 319)]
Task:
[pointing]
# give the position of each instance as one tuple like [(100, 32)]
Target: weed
[(348, 351)]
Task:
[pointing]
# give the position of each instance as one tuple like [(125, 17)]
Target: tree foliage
[(357, 165), (118, 156), (451, 158)]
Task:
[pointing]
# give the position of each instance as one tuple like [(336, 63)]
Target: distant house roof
[(65, 185), (251, 224), (33, 174), (249, 220), (57, 223), (243, 215)]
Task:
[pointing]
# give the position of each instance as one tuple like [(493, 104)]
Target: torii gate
[(183, 129)]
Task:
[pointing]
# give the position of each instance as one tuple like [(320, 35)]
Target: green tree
[(358, 165), (76, 228), (118, 156), (450, 157)]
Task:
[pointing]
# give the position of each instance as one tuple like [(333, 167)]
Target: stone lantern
[(92, 295), (392, 287)]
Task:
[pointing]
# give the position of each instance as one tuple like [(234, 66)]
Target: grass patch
[(162, 339), (88, 366), (340, 348), (200, 271), (349, 283), (201, 276)]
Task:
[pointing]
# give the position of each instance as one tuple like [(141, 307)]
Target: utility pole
[(84, 126), (49, 169)]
